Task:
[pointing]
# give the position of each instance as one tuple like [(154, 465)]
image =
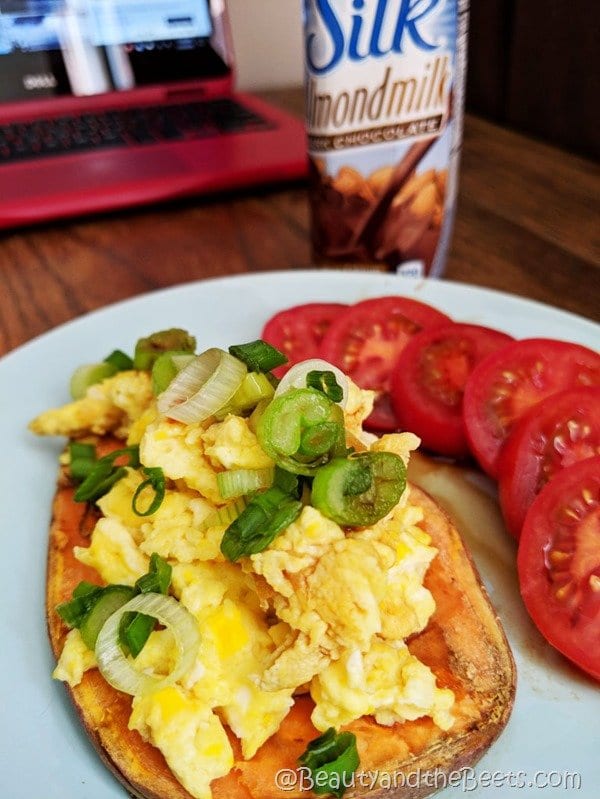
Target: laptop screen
[(84, 47)]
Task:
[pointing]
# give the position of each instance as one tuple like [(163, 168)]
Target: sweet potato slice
[(463, 644)]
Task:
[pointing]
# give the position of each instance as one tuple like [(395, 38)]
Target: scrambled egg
[(386, 682), (113, 553), (321, 609), (75, 659), (108, 407), (188, 733)]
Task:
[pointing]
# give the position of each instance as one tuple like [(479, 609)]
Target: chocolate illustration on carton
[(384, 88)]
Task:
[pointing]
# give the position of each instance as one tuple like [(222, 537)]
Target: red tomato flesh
[(559, 431), (429, 378), (506, 384), (298, 331), (365, 341), (559, 563)]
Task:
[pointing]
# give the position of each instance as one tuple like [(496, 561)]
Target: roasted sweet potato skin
[(463, 644)]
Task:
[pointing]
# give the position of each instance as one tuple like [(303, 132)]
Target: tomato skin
[(507, 383), (428, 382), (559, 552), (559, 431), (366, 340), (382, 418), (298, 331)]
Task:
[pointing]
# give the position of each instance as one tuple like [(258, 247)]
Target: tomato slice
[(559, 563), (559, 431), (365, 342), (503, 387), (429, 378), (298, 331)]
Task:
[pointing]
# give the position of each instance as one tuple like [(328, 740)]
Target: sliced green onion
[(112, 662), (120, 360), (135, 628), (288, 482), (88, 375), (359, 490), (105, 474), (202, 387), (326, 382), (256, 415), (181, 359), (318, 439), (82, 460), (332, 759), (166, 366), (155, 480), (301, 430), (77, 449), (158, 578), (238, 482), (225, 515), (259, 356), (112, 598), (298, 377), (255, 388), (99, 482), (91, 605), (134, 631), (84, 598), (85, 588), (148, 349), (265, 517)]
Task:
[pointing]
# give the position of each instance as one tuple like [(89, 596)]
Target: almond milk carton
[(384, 104)]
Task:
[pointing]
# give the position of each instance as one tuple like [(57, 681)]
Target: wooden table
[(527, 223)]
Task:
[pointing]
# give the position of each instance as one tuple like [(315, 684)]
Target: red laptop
[(106, 104)]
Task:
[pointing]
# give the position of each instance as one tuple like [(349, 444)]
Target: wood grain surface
[(531, 66), (527, 223)]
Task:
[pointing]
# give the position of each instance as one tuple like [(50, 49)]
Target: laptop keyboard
[(122, 128)]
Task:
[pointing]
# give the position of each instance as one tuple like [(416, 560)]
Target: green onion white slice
[(115, 666), (202, 387), (181, 359), (255, 387), (238, 482), (165, 367), (296, 377), (224, 515)]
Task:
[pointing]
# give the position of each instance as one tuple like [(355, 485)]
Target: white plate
[(43, 751)]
